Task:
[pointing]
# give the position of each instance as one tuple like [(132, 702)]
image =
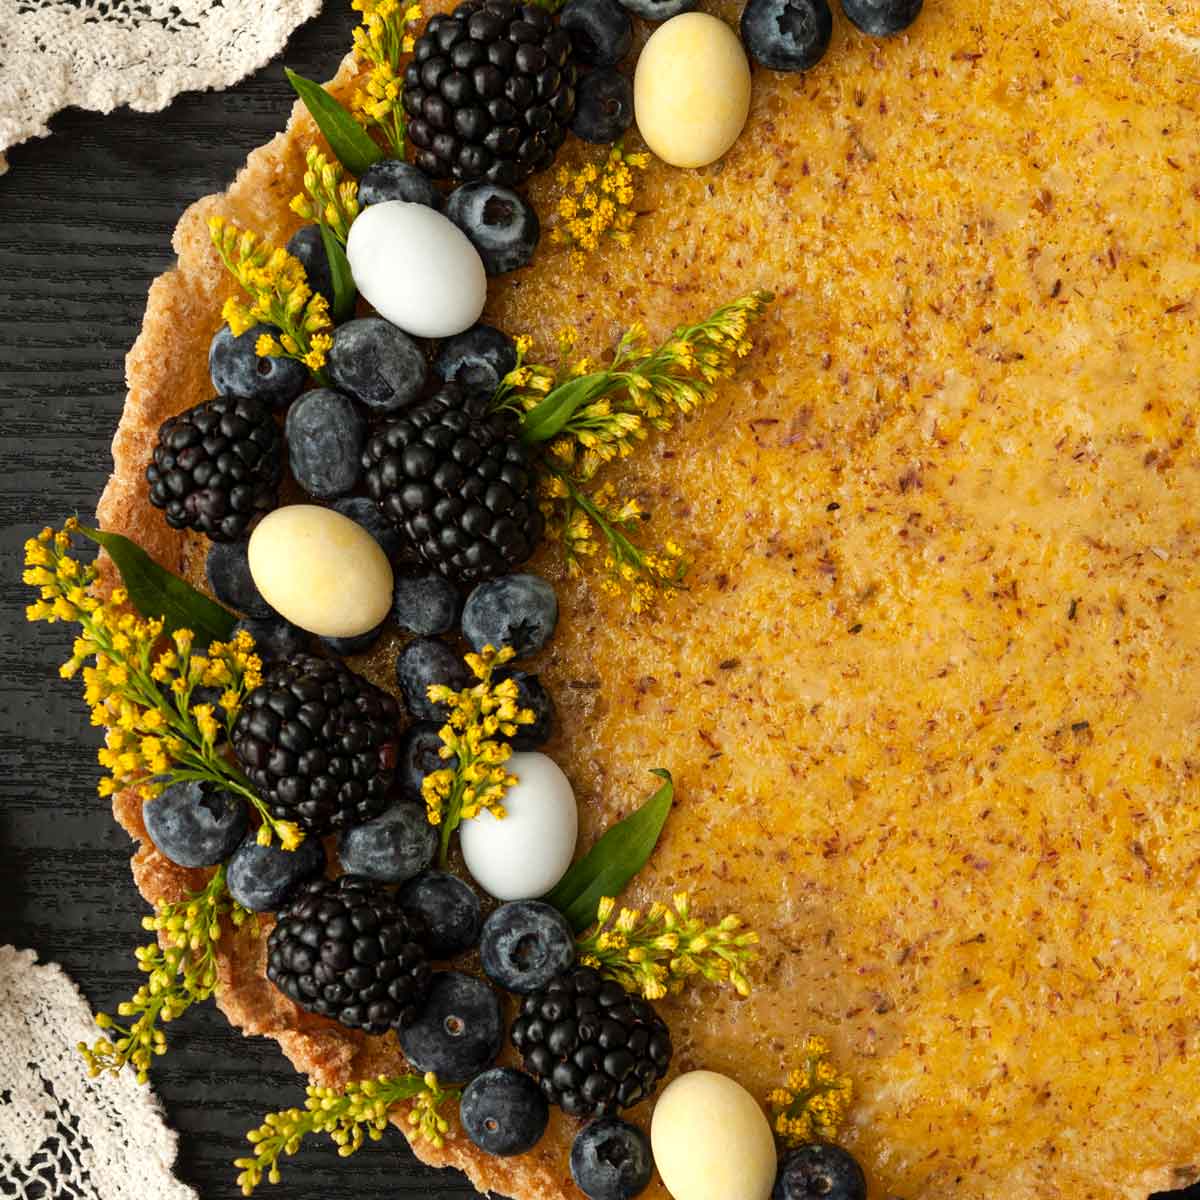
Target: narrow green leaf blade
[(344, 291), (545, 421), (354, 147), (155, 592), (614, 860)]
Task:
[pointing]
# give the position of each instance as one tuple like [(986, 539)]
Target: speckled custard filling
[(931, 696)]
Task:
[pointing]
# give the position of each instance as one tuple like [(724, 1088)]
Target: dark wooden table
[(85, 224)]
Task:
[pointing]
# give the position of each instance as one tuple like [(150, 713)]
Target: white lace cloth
[(97, 54), (64, 1136)]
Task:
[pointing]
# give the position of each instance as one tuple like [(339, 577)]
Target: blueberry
[(458, 1032), (819, 1170), (504, 1112), (520, 611), (524, 945), (394, 179), (365, 512), (237, 369), (611, 1160), (395, 846), (306, 245), (426, 603), (228, 572), (787, 35), (426, 661), (450, 909), (604, 108), (418, 756), (531, 694), (261, 878), (881, 18), (344, 647), (325, 435), (600, 30), (377, 363), (500, 223), (274, 638), (195, 824), (658, 10), (477, 359)]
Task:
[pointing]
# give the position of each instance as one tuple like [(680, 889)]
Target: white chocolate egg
[(711, 1140), (416, 268), (691, 90), (320, 570), (523, 855)]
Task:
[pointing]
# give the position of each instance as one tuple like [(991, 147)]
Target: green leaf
[(544, 422), (344, 291), (350, 142), (618, 855), (155, 592)]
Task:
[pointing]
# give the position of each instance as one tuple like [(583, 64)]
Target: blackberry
[(319, 743), (216, 467), (457, 480), (490, 92), (593, 1047), (344, 948)]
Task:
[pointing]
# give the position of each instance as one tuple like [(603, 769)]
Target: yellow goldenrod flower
[(814, 1101), (596, 202)]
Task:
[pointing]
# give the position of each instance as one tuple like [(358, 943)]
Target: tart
[(929, 695)]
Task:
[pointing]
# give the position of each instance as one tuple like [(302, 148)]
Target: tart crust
[(931, 698)]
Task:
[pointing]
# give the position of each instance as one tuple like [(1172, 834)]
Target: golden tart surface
[(930, 699)]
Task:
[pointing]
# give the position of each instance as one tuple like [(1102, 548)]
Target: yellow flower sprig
[(668, 948), (328, 198), (609, 410), (279, 295), (815, 1100), (182, 970), (385, 35), (142, 686), (475, 740), (349, 1115), (597, 202)]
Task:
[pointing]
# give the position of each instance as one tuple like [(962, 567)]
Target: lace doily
[(63, 1135), (98, 54)]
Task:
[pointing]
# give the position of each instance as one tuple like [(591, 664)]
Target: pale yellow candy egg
[(711, 1140), (321, 570), (691, 90)]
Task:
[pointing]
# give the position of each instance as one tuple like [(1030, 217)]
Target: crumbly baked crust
[(930, 700)]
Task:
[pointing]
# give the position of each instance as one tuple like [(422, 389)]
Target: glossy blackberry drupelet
[(787, 35), (503, 1112), (378, 364), (819, 1172), (227, 569), (237, 369), (458, 1031), (611, 1160), (601, 31), (500, 223), (520, 611), (882, 18), (344, 948), (421, 664), (319, 743), (362, 510), (216, 467), (490, 91), (476, 360), (457, 480), (307, 245), (418, 757), (195, 824), (524, 945), (593, 1047), (532, 695), (394, 179), (274, 638), (325, 435), (605, 109), (395, 846), (262, 878), (425, 603), (450, 909)]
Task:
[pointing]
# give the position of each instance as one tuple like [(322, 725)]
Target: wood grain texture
[(85, 224)]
